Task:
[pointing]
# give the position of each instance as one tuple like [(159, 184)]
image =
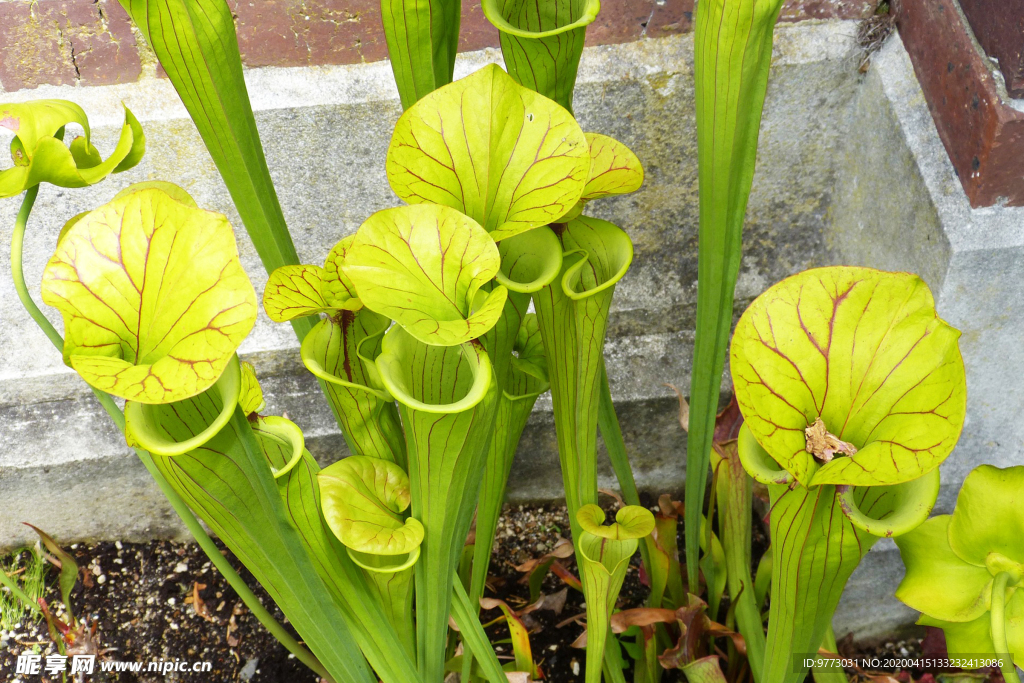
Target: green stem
[(17, 271), (190, 520), (999, 627)]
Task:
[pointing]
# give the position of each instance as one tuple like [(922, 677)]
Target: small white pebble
[(174, 627), (117, 544), (118, 560), (171, 601), (575, 667), (180, 567), (101, 579), (149, 601), (553, 648)]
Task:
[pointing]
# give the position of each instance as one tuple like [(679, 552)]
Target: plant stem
[(1007, 666), (190, 520), (17, 272)]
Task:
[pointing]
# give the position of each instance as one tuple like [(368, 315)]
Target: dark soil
[(141, 599)]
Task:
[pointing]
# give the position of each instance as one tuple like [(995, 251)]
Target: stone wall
[(92, 42)]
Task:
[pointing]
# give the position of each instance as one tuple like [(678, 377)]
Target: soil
[(141, 598)]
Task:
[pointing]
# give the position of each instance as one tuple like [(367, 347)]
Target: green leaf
[(526, 381), (197, 46), (422, 39), (614, 169), (937, 582), (732, 55), (631, 521), (338, 290), (474, 636), (68, 567), (447, 398), (530, 260), (299, 291), (965, 638), (424, 267), (250, 396), (704, 670), (383, 633), (39, 153), (735, 514), (542, 42), (604, 553), (518, 634), (154, 298), (295, 292), (176, 193), (228, 482), (863, 350), (815, 549), (969, 639), (910, 504), (363, 499), (366, 413), (499, 153), (989, 519), (143, 421)]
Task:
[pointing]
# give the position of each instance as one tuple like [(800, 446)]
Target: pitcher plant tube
[(965, 570), (732, 54), (604, 554), (542, 42), (852, 392), (143, 324)]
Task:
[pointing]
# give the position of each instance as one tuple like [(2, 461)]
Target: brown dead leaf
[(641, 616), (554, 603), (576, 618), (562, 550), (86, 577), (684, 408), (230, 636), (613, 494), (718, 630), (581, 642), (559, 570), (728, 423), (198, 604), (823, 445)]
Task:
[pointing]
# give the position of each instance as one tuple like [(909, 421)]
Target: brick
[(999, 27), (308, 32), (983, 136), (64, 42), (803, 10), (670, 17), (476, 32)]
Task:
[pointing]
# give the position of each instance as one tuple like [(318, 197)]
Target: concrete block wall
[(850, 170)]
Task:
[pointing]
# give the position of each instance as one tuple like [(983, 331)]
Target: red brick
[(983, 136), (62, 42), (999, 27), (802, 10), (302, 33), (476, 32), (670, 17)]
